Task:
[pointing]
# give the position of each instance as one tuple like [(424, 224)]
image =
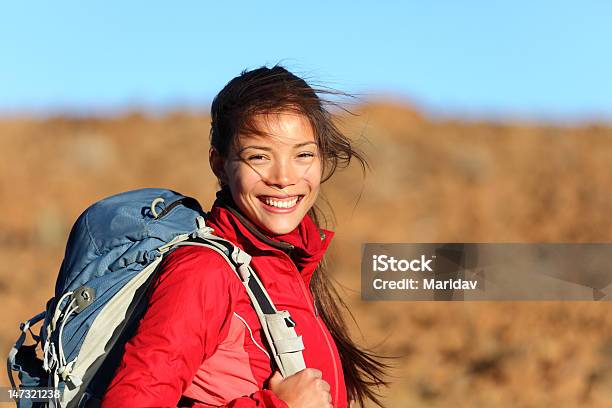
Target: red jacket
[(200, 340)]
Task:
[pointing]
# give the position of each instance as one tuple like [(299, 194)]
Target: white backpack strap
[(284, 343), (279, 328)]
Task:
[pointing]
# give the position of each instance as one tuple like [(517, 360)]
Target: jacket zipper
[(315, 313), (331, 351)]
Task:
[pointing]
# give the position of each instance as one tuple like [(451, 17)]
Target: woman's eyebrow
[(268, 149), (255, 147), (303, 144)]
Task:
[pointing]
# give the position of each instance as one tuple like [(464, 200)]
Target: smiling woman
[(200, 342)]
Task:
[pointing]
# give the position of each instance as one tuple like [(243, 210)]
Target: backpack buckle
[(84, 297)]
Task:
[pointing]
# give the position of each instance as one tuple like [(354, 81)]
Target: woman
[(200, 342)]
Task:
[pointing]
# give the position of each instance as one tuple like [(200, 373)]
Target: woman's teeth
[(281, 204)]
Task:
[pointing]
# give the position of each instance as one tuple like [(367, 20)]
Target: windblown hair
[(266, 91)]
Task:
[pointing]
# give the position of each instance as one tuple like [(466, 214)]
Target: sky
[(532, 59)]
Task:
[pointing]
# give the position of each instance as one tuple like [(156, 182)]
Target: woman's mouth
[(280, 205)]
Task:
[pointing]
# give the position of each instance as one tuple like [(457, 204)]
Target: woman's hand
[(304, 389)]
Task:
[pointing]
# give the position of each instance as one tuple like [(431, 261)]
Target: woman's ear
[(217, 164)]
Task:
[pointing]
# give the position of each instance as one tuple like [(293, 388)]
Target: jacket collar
[(306, 244)]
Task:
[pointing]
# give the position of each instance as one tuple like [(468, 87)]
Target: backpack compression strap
[(284, 343), (12, 363)]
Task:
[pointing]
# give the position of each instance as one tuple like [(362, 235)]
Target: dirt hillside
[(431, 181)]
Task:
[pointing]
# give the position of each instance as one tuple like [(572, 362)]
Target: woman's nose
[(282, 174)]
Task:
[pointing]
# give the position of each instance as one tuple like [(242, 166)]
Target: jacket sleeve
[(188, 315)]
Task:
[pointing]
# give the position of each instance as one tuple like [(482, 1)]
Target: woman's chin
[(279, 228)]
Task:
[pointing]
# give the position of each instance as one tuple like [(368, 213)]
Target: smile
[(280, 203)]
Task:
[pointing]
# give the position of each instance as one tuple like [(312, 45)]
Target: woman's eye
[(306, 154), (256, 157)]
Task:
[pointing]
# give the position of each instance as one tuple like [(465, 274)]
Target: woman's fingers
[(305, 389), (324, 385), (275, 379), (312, 372)]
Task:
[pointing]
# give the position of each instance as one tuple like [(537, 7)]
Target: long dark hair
[(271, 90)]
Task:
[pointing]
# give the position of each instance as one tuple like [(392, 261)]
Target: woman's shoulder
[(197, 266), (191, 253)]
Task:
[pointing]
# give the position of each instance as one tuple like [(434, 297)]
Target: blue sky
[(536, 59)]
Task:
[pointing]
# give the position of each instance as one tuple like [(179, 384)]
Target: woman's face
[(274, 179)]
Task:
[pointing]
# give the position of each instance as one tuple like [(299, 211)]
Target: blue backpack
[(112, 257)]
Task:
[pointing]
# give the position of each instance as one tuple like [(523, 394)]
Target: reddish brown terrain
[(431, 181)]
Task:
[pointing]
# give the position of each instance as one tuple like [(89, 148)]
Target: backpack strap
[(14, 362), (278, 326)]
